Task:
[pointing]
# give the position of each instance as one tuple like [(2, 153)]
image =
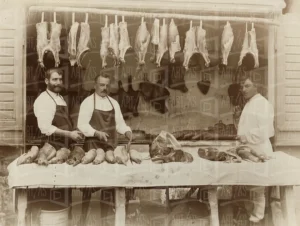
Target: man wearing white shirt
[(54, 122), (100, 118), (254, 130), (52, 114)]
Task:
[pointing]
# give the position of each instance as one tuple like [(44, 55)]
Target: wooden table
[(283, 171)]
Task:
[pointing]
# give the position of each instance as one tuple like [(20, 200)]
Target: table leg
[(287, 200), (167, 193), (120, 216), (22, 206), (70, 204), (213, 202), (86, 199)]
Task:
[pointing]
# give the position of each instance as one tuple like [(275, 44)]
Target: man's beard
[(55, 88)]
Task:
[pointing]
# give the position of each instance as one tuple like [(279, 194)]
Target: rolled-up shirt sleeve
[(264, 118), (121, 126), (44, 111), (85, 115)]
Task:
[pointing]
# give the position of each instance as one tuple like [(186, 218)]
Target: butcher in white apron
[(254, 130)]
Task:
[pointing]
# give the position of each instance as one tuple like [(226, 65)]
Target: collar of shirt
[(100, 97), (57, 97), (103, 103), (254, 97)]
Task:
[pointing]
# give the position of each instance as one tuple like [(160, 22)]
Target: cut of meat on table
[(135, 156), (100, 157), (163, 43), (61, 156), (104, 43), (201, 43), (89, 156), (46, 153), (121, 155), (84, 39), (124, 44), (190, 47), (250, 48), (114, 39), (214, 154), (154, 38), (226, 42), (72, 45), (142, 41), (28, 157), (174, 41), (76, 156), (42, 41)]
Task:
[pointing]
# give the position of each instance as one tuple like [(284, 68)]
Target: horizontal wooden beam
[(151, 15)]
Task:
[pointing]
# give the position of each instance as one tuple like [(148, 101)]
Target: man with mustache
[(254, 130), (100, 118)]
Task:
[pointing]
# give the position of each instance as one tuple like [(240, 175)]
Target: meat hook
[(86, 17), (73, 18), (106, 19), (54, 17)]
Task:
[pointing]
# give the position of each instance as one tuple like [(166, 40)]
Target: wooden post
[(86, 199), (120, 216), (167, 193), (287, 199), (213, 202), (22, 206)]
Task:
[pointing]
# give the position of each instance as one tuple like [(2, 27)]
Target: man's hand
[(77, 136), (242, 139), (101, 135)]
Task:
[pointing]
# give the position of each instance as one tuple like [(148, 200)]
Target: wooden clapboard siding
[(7, 42), (288, 82), (7, 61), (11, 75)]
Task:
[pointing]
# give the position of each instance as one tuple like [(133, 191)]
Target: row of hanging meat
[(115, 42)]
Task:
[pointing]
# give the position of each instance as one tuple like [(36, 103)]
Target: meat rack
[(152, 15)]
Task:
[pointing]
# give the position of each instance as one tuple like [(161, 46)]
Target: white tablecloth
[(282, 170)]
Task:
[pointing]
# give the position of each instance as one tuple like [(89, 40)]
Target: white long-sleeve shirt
[(102, 103), (256, 123), (44, 109)]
